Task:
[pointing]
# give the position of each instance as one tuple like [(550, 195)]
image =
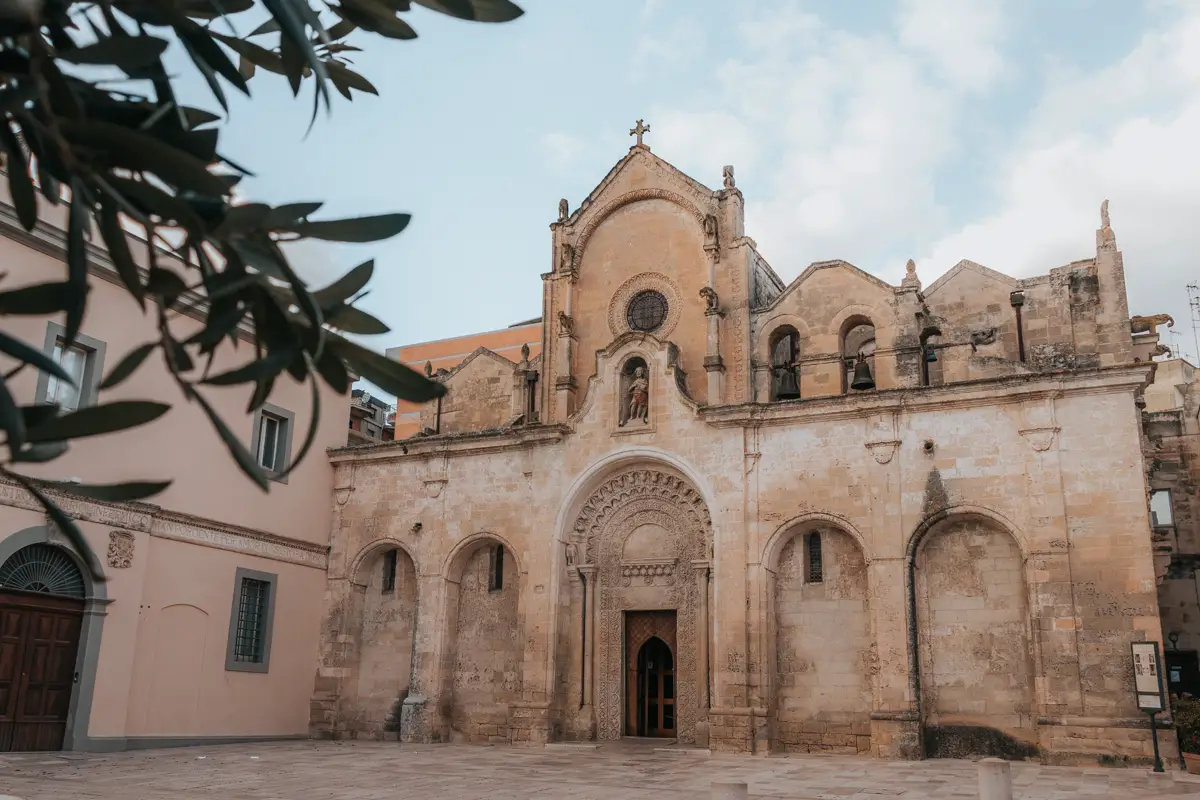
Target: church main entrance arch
[(643, 540)]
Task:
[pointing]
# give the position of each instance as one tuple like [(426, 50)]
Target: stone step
[(570, 746)]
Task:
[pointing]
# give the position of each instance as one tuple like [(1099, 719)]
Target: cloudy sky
[(872, 130)]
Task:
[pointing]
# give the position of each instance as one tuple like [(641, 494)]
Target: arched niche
[(484, 634), (819, 630), (973, 669)]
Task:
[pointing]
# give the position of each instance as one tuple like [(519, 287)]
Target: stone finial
[(639, 130), (911, 281), (563, 210), (727, 177), (525, 352), (1105, 238), (428, 369)]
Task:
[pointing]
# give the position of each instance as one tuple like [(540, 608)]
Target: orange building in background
[(449, 353)]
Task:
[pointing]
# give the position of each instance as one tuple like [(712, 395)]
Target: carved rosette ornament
[(620, 506), (120, 549)]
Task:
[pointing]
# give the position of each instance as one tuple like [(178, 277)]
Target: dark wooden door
[(656, 690), (39, 639)]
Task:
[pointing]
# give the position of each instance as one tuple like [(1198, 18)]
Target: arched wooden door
[(41, 616), (653, 714)]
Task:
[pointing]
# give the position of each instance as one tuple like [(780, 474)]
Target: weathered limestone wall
[(974, 640), (478, 396), (825, 660), (487, 652), (385, 638)]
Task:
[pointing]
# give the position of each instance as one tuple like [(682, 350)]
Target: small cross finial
[(638, 130)]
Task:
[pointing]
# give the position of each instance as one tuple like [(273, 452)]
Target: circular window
[(647, 311)]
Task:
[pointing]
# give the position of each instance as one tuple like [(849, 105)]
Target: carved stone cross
[(638, 130)]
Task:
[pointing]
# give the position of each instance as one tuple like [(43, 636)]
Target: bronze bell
[(930, 355), (786, 385), (862, 375)]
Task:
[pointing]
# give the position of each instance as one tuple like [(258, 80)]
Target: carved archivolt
[(624, 200), (617, 492), (617, 322)]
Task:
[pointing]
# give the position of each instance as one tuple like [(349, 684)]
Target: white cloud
[(847, 142), (1134, 143), (961, 39)]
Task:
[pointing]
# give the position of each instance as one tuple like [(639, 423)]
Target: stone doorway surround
[(646, 536)]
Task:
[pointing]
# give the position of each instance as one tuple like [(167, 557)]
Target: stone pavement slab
[(375, 771)]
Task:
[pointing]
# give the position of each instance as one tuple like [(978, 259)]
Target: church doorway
[(650, 685)]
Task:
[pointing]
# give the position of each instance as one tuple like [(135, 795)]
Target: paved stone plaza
[(375, 771)]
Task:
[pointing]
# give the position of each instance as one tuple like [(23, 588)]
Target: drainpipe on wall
[(1018, 299)]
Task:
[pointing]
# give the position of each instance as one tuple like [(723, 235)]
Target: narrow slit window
[(815, 573), (496, 576), (389, 570)]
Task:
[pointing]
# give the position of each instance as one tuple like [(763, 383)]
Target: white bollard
[(730, 791), (995, 779)]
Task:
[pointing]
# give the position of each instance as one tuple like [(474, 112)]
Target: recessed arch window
[(647, 311)]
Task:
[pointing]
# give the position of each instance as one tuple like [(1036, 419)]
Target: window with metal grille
[(647, 311), (251, 621), (496, 569), (389, 570), (815, 574)]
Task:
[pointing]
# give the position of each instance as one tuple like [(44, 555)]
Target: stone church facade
[(834, 515)]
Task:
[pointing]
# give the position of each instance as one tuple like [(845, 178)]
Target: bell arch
[(644, 535)]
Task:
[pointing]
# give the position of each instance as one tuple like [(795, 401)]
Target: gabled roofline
[(608, 179), (968, 265), (815, 267)]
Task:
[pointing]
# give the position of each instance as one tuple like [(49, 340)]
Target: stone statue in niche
[(567, 260), (638, 394), (712, 303), (710, 231), (572, 554), (727, 175), (563, 210), (566, 325)]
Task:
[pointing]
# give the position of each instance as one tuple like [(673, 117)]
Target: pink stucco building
[(206, 626)]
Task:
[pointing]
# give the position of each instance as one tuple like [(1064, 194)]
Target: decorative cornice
[(159, 522), (967, 394), (472, 443), (186, 528)]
